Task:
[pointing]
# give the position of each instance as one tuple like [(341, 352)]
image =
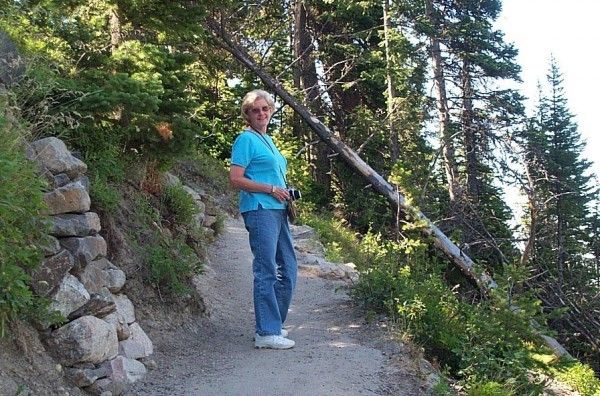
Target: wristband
[(272, 189)]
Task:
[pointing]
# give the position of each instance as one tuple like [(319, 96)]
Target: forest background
[(417, 88)]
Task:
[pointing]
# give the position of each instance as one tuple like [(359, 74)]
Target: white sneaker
[(284, 333), (273, 342)]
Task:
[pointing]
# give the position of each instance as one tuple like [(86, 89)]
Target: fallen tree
[(483, 281), (456, 256)]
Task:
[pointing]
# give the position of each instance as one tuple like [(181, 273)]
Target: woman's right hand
[(281, 194)]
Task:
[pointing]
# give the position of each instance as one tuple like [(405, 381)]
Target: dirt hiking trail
[(336, 352)]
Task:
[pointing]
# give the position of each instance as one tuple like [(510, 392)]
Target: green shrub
[(171, 264), (145, 213), (489, 389), (180, 204), (481, 344), (340, 243), (107, 168), (579, 376), (22, 228)]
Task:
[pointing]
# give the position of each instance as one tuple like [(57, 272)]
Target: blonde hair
[(252, 97)]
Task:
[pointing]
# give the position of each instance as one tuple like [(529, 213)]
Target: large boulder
[(85, 376), (50, 246), (138, 345), (125, 307), (118, 321), (84, 340), (52, 155), (99, 305), (102, 273), (93, 276), (122, 373), (49, 275), (70, 198), (71, 225), (70, 296), (85, 249)]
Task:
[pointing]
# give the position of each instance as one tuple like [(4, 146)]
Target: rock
[(99, 305), (51, 246), (208, 232), (556, 347), (84, 181), (85, 376), (125, 307), (209, 221), (104, 387), (138, 345), (52, 154), (308, 259), (198, 219), (85, 249), (49, 275), (192, 193), (303, 232), (59, 180), (93, 276), (70, 296), (201, 207), (309, 245), (70, 198), (149, 363), (170, 179), (116, 279), (70, 225), (86, 339), (118, 321), (123, 372)]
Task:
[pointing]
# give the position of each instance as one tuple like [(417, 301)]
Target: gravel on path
[(336, 352)]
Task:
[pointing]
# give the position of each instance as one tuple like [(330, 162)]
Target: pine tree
[(561, 227), (469, 57)]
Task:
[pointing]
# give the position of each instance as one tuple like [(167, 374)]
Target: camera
[(294, 194)]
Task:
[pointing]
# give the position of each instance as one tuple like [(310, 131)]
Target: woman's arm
[(238, 180)]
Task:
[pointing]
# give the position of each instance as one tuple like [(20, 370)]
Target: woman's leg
[(287, 269), (264, 227)]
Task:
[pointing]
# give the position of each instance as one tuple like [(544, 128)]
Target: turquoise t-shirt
[(262, 163)]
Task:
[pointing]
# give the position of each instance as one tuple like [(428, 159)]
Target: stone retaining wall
[(101, 346)]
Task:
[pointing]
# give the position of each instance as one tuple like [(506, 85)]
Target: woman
[(258, 169)]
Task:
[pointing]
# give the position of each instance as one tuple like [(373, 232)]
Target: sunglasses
[(258, 110)]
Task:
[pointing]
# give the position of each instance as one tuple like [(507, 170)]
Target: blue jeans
[(275, 267)]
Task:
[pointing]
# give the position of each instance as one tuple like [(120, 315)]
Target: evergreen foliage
[(563, 196), (136, 86)]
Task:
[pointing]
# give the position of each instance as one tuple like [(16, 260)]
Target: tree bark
[(114, 24), (446, 138), (391, 92), (308, 81)]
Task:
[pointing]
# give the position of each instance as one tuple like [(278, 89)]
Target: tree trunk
[(309, 83), (469, 135), (114, 25), (446, 138), (391, 92)]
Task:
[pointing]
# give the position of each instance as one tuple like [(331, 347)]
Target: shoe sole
[(272, 347)]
